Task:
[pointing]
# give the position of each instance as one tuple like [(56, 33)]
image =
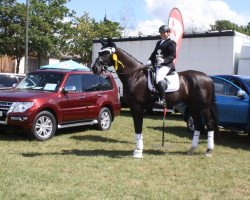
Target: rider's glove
[(149, 63), (160, 60)]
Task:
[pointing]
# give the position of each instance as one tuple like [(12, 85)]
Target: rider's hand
[(160, 60), (149, 63)]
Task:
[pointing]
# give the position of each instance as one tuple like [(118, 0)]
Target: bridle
[(104, 65)]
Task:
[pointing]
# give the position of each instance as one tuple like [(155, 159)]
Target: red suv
[(51, 99)]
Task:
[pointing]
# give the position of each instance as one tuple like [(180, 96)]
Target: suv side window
[(91, 82), (106, 83), (75, 80)]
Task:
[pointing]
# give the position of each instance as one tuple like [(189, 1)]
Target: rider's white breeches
[(161, 73)]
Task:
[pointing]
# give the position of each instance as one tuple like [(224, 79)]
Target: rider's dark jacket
[(168, 50)]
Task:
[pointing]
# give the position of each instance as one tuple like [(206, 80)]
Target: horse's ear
[(111, 43), (102, 42)]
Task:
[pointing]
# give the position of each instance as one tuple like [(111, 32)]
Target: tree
[(47, 27), (12, 30), (86, 29), (53, 30), (227, 25)]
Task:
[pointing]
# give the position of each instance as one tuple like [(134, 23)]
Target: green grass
[(84, 163)]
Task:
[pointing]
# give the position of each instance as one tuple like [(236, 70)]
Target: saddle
[(171, 80)]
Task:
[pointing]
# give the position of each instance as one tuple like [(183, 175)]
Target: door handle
[(99, 95), (81, 97)]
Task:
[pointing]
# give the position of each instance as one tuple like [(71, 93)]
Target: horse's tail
[(214, 113)]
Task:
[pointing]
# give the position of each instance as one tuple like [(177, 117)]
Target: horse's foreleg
[(137, 114)]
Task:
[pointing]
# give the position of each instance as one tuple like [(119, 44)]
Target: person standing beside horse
[(163, 58)]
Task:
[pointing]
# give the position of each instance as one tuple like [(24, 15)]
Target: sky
[(146, 16)]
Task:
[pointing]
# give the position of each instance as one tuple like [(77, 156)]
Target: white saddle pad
[(173, 83)]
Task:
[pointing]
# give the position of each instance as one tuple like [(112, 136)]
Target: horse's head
[(104, 59)]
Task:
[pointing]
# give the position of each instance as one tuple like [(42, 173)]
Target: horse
[(196, 90)]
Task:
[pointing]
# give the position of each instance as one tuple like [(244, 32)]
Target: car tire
[(104, 119), (44, 126), (190, 123)]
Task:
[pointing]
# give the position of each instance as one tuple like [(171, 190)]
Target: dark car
[(233, 105), (9, 80), (51, 99)]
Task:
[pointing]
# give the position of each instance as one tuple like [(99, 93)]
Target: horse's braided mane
[(131, 56)]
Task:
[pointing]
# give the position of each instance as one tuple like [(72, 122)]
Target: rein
[(131, 71)]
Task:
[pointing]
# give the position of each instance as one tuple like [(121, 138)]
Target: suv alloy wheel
[(104, 119), (44, 126)]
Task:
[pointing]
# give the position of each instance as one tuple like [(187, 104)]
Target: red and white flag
[(175, 23)]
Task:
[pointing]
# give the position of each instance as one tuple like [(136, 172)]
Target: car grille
[(4, 107)]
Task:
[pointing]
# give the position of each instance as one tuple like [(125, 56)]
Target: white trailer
[(214, 53), (244, 60)]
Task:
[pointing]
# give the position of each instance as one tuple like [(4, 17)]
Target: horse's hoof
[(191, 151), (137, 153), (209, 153)]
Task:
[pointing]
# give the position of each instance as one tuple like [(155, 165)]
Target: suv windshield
[(41, 81)]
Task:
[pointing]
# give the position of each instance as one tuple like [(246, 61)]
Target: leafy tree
[(86, 29), (12, 30), (227, 25), (47, 28), (49, 32), (107, 28), (247, 29), (80, 44)]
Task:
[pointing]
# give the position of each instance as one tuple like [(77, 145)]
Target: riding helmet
[(164, 28)]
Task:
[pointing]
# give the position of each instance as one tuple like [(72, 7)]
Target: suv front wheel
[(104, 119), (44, 126)]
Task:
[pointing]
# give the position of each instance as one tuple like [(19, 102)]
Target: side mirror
[(69, 89), (241, 94)]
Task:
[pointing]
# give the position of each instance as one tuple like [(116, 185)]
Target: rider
[(163, 57)]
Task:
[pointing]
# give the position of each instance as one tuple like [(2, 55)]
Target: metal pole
[(26, 63)]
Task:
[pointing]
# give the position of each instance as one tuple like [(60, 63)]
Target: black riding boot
[(161, 90)]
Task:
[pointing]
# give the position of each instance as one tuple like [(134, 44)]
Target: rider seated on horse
[(162, 58)]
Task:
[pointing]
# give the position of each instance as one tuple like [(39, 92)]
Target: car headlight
[(20, 106)]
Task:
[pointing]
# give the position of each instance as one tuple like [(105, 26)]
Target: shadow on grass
[(96, 138), (94, 153), (236, 140), (232, 139), (13, 135)]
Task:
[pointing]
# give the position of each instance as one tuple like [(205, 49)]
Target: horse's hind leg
[(137, 114), (198, 125), (210, 131)]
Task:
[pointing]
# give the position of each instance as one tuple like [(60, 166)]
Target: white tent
[(69, 64)]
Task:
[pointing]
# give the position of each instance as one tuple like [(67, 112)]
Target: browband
[(111, 50)]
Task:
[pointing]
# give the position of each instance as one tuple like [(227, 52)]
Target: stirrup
[(209, 153), (191, 151), (137, 153)]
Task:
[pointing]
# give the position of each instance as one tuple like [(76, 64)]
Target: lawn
[(84, 163)]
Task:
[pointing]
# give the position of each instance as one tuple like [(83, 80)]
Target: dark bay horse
[(196, 90)]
